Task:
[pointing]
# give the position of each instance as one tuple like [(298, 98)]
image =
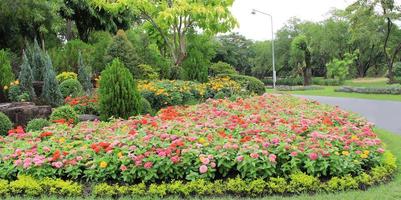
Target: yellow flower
[(337, 153), (16, 82), (366, 152), (61, 140), (103, 164), (345, 153), (120, 154), (354, 137), (363, 156), (5, 87), (202, 140)]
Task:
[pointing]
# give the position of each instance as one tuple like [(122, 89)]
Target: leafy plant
[(63, 76), (5, 124), (84, 75), (221, 68), (37, 62), (64, 114), (37, 124), (339, 69), (71, 87), (6, 74), (146, 72)]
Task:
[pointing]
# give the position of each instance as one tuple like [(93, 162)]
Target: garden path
[(385, 114)]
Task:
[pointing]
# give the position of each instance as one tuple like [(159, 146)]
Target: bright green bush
[(26, 77), (65, 76), (277, 185), (236, 186), (159, 190), (339, 69), (37, 124), (51, 91), (146, 72), (26, 185), (301, 182), (4, 188), (341, 184), (60, 187), (138, 189), (66, 113), (118, 95), (71, 87), (15, 94), (5, 124), (104, 190), (249, 83), (6, 73), (256, 187), (221, 68)]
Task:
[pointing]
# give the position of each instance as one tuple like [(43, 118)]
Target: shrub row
[(299, 81), (295, 184), (249, 83), (298, 88), (370, 90)]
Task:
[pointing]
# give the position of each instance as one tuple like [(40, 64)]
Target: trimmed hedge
[(299, 81), (249, 83), (298, 88), (328, 82), (395, 90), (297, 183)]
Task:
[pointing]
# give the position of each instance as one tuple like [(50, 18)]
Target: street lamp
[(254, 11)]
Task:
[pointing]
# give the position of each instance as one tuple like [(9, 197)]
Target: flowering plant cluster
[(259, 137), (83, 104)]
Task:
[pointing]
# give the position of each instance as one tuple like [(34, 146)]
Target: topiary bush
[(5, 124), (221, 68), (250, 83), (64, 114), (65, 76), (118, 95), (37, 124), (71, 87)]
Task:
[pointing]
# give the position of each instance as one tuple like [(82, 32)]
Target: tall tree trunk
[(68, 34), (307, 70)]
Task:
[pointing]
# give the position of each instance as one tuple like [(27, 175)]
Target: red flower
[(56, 155), (46, 134)]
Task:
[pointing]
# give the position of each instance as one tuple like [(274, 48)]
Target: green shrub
[(6, 73), (301, 182), (146, 72), (159, 190), (37, 124), (104, 190), (277, 185), (15, 94), (5, 124), (66, 113), (118, 95), (328, 82), (236, 186), (138, 189), (339, 69), (256, 187), (4, 188), (60, 187), (65, 76), (298, 88), (84, 75), (397, 69), (250, 83), (285, 81), (341, 184), (37, 62), (396, 90), (146, 108), (71, 87), (100, 40), (26, 77), (51, 91), (122, 49), (25, 185), (221, 68)]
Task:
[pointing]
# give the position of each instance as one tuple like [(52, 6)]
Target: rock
[(22, 112), (86, 117)]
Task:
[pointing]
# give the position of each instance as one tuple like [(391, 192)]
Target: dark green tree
[(122, 49), (51, 91), (37, 61), (118, 95), (84, 75), (6, 73), (26, 77), (301, 55)]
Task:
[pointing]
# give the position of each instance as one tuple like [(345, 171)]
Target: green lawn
[(366, 82), (387, 191)]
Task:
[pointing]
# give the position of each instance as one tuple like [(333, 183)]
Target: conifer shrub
[(118, 95), (5, 124), (84, 75), (38, 62), (6, 73), (26, 77), (51, 91)]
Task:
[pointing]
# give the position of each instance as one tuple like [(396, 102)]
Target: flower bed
[(255, 138)]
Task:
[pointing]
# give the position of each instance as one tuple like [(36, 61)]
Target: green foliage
[(323, 81), (396, 90), (146, 108), (37, 124), (122, 49), (221, 68), (104, 190), (339, 69), (277, 185), (26, 185), (146, 72), (15, 94), (249, 83), (6, 74), (301, 182), (298, 88), (66, 113), (26, 77), (51, 91), (138, 189), (71, 87), (5, 124), (236, 186), (65, 76), (38, 62), (256, 187), (340, 184), (159, 190), (84, 75), (118, 95), (100, 40), (60, 187), (4, 189), (397, 69)]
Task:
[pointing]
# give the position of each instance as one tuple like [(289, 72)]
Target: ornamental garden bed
[(255, 146)]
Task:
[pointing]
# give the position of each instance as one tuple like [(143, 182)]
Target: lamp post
[(254, 11)]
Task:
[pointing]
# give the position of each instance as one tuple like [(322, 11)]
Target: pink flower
[(203, 169), (294, 153), (18, 162), (380, 150), (175, 159), (213, 165), (254, 155), (27, 163), (148, 165), (123, 168), (79, 158), (272, 158), (313, 156), (57, 165), (240, 158), (205, 161)]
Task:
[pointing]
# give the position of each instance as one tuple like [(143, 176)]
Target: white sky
[(257, 27)]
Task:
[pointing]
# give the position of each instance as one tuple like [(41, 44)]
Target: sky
[(257, 27)]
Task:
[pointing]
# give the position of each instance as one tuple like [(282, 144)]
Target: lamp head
[(253, 12)]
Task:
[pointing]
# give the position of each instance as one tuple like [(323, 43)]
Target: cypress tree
[(122, 49), (38, 62), (6, 73), (118, 95), (84, 76), (51, 92), (26, 77)]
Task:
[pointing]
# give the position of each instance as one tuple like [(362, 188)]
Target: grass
[(365, 82), (387, 191)]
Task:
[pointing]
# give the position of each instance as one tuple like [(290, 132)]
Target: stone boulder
[(21, 113), (85, 117)]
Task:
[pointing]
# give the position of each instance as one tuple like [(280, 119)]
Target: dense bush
[(285, 81), (71, 87), (51, 91), (118, 95), (63, 76), (84, 75), (249, 83), (37, 124), (122, 49), (298, 88), (328, 82), (221, 87), (371, 90), (15, 94), (221, 68), (5, 124), (339, 69), (6, 73), (100, 40), (397, 69), (146, 72), (26, 77), (84, 104), (146, 108), (64, 114)]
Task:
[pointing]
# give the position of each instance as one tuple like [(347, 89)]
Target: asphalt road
[(385, 114)]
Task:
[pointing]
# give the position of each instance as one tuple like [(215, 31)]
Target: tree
[(6, 73), (339, 69), (118, 95), (172, 20), (37, 61), (26, 77), (51, 93), (122, 49), (302, 57), (262, 59), (84, 76)]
